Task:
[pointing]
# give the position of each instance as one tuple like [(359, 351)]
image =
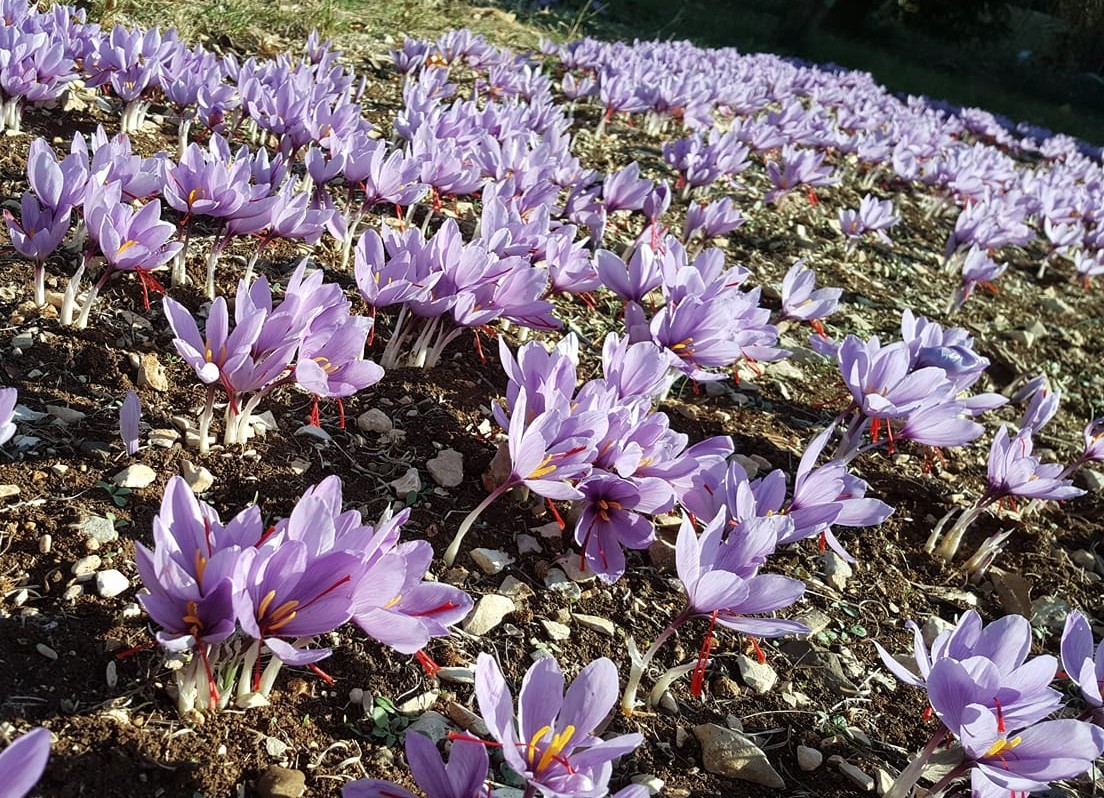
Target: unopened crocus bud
[(130, 415)]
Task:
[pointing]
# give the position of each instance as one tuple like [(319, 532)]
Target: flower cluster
[(227, 594)]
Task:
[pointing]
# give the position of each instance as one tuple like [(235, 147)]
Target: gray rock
[(278, 782), (729, 753), (527, 544), (487, 614), (66, 415), (491, 561), (883, 780), (374, 420), (311, 431), (1055, 305), (653, 783), (135, 476), (1092, 480), (466, 719), (111, 583), (596, 623), (447, 468), (759, 676), (275, 747), (99, 529), (457, 675), (864, 781), (933, 627), (410, 482), (572, 565), (432, 724), (515, 588), (809, 758), (1050, 612)]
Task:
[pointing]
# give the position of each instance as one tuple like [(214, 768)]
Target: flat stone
[(66, 415), (654, 784), (574, 566), (457, 675), (759, 676), (596, 623), (447, 468), (99, 529), (1050, 612), (809, 758), (151, 374), (7, 491), (86, 566), (527, 544), (729, 753), (135, 476), (199, 479), (557, 580), (487, 614), (374, 420), (164, 438), (419, 703), (466, 719), (1055, 305), (275, 747), (864, 781), (883, 781), (278, 782), (111, 583), (410, 482), (556, 631), (491, 561), (299, 466), (1092, 479), (514, 588), (311, 431), (933, 627)]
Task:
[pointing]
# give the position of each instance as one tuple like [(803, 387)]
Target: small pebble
[(86, 566), (45, 543), (111, 583), (46, 651)]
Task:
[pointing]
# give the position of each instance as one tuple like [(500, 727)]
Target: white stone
[(883, 781), (419, 703), (809, 758), (275, 747), (164, 438), (556, 632), (490, 561), (7, 491), (550, 530), (487, 614), (557, 580), (653, 783), (199, 479), (135, 476), (573, 566), (86, 566), (836, 570), (299, 466), (374, 420), (759, 676), (729, 753), (596, 623), (111, 583), (457, 675), (132, 610), (527, 544), (410, 482), (447, 468), (515, 588), (311, 431)]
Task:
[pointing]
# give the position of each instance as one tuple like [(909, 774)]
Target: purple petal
[(130, 415)]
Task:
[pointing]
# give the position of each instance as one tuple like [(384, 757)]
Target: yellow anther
[(544, 469), (1002, 745)]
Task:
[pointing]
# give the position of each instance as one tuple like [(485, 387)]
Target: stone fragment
[(374, 420), (490, 561), (598, 624), (151, 374), (573, 566), (864, 781), (1050, 612), (557, 580), (8, 491), (419, 703), (836, 570), (311, 431), (759, 676), (556, 632), (883, 781), (1092, 479), (487, 614), (164, 438), (466, 719), (515, 588), (433, 725), (457, 675), (66, 415), (199, 479), (278, 782), (527, 544), (653, 783), (410, 482), (275, 747), (135, 476), (111, 583), (729, 753), (933, 627), (99, 529), (809, 758), (86, 566), (447, 468)]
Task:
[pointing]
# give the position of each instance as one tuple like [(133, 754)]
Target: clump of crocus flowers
[(992, 705), (237, 600)]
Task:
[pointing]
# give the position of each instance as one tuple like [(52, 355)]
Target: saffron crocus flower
[(551, 741), (462, 777), (130, 415), (22, 762), (36, 234), (1083, 662), (801, 301), (873, 215), (978, 268), (8, 398), (611, 518)]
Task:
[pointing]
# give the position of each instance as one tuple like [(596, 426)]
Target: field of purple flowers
[(610, 419)]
